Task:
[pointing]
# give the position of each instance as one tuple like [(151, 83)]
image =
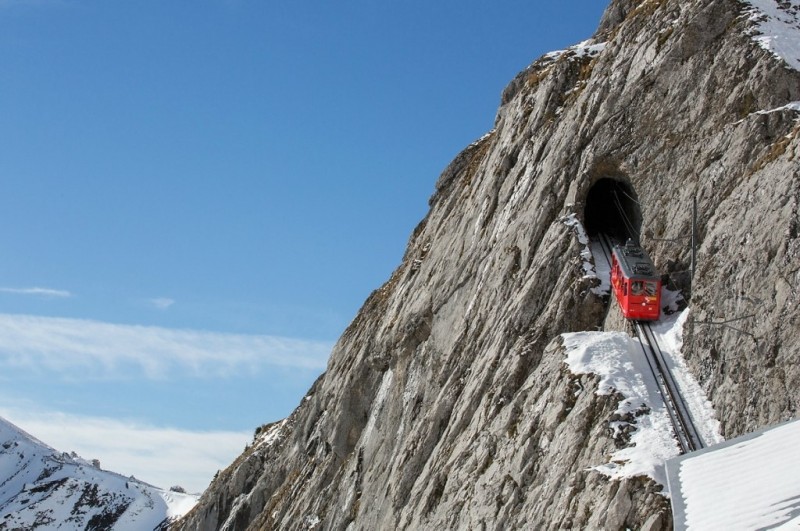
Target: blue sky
[(198, 196)]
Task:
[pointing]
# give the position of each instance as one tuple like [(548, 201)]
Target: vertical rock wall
[(446, 403)]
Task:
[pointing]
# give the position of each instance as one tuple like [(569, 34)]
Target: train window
[(637, 287), (650, 288)]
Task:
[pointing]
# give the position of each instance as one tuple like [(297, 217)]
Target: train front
[(644, 301)]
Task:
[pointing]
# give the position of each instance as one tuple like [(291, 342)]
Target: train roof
[(634, 262)]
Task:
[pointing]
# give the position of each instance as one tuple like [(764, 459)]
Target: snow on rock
[(671, 302), (178, 503), (582, 49), (617, 359), (587, 48), (793, 106), (593, 267), (43, 488), (312, 521), (778, 28), (271, 433)]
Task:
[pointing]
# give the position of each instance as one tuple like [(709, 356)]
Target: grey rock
[(446, 403)]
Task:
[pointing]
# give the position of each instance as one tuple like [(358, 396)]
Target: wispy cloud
[(39, 292), (80, 349), (161, 456), (161, 303)]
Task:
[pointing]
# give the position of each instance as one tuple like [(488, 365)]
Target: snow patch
[(793, 106), (178, 503), (592, 267), (670, 300), (312, 521), (582, 49), (617, 360), (482, 138), (777, 28), (587, 49), (272, 434)]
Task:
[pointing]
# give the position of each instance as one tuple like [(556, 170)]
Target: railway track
[(686, 433), (606, 244)]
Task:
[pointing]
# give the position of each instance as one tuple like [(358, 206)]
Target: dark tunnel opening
[(612, 208)]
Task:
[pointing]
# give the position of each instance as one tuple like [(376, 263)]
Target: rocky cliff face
[(447, 403)]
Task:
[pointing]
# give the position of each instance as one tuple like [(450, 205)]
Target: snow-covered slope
[(616, 358), (757, 474), (778, 28), (41, 488)]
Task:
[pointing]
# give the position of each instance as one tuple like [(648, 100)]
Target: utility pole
[(694, 239), (694, 263)]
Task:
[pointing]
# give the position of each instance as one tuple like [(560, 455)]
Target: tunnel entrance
[(612, 208)]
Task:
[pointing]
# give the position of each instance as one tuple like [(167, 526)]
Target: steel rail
[(605, 244), (685, 430), (665, 395)]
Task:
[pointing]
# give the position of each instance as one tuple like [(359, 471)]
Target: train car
[(636, 285)]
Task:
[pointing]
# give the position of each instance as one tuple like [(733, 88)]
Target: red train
[(635, 283)]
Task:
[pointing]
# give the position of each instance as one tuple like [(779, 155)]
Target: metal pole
[(694, 238)]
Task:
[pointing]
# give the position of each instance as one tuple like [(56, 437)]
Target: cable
[(624, 217), (629, 197)]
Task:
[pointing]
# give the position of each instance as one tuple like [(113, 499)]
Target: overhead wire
[(624, 217), (629, 196), (629, 225)]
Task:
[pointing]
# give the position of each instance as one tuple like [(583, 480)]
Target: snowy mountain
[(41, 488)]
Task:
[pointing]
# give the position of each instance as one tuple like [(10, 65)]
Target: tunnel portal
[(612, 208)]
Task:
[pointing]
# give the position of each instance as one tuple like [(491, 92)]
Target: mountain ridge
[(47, 489)]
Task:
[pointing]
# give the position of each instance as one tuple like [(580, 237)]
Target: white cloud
[(160, 456), (79, 348), (161, 303), (40, 292)]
